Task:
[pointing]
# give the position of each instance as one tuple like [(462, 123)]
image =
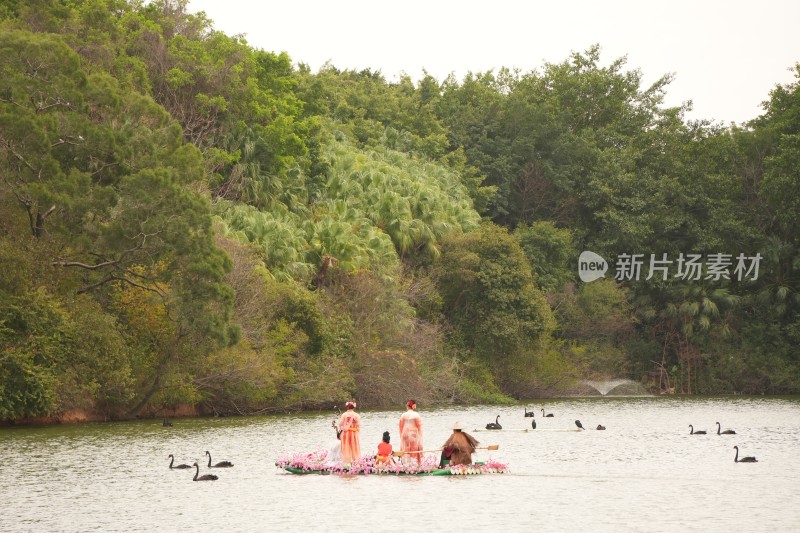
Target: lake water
[(644, 473)]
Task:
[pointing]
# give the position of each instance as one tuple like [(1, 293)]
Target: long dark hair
[(386, 436)]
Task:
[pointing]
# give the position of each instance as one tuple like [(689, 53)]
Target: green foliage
[(600, 309), (56, 121), (375, 206), (56, 357), (186, 219), (779, 192), (490, 298), (30, 350), (389, 351), (374, 112), (96, 370), (416, 203), (536, 136), (40, 92), (27, 388), (479, 387), (596, 323), (293, 352), (550, 251), (553, 372), (583, 146), (766, 360), (9, 9)]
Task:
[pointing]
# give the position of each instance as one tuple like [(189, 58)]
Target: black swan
[(172, 460), (204, 477), (548, 415), (533, 424), (693, 432), (221, 464), (748, 459), (528, 413), (578, 423), (600, 427), (726, 432), (495, 424)]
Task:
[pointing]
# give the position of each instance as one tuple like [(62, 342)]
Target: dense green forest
[(188, 220)]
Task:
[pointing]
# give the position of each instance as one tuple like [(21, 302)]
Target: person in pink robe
[(411, 434), (350, 426)]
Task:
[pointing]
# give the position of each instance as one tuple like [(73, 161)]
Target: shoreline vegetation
[(176, 413), (181, 411), (186, 220)]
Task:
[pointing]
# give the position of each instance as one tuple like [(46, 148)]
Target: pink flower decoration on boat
[(316, 461)]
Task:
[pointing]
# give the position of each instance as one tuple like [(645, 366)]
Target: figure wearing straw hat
[(458, 449)]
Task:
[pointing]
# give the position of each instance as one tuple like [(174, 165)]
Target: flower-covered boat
[(317, 463)]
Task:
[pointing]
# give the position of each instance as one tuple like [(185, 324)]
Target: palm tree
[(416, 204), (693, 309), (278, 236)]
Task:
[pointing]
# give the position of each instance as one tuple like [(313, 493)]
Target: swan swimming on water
[(546, 415), (495, 424), (578, 423), (221, 464), (693, 432), (726, 432), (528, 413), (204, 477), (172, 460), (747, 459)]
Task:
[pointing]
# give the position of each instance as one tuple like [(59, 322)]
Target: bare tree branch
[(84, 265), (112, 277)]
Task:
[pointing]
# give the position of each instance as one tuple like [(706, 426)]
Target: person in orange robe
[(384, 450), (350, 426), (411, 434)]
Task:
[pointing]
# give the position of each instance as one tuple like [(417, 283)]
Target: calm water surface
[(644, 473)]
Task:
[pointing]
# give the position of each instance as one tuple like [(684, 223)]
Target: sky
[(725, 56)]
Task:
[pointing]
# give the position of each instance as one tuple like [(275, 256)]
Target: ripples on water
[(644, 473)]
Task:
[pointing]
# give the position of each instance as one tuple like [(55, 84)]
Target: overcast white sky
[(726, 55)]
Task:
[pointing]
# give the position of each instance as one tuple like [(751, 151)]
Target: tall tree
[(491, 300)]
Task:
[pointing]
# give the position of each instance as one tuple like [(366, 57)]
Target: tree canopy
[(188, 220)]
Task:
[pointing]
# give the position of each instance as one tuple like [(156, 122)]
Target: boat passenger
[(335, 451), (384, 450), (350, 426), (411, 434), (458, 449)]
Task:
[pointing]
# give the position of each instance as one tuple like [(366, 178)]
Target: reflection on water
[(644, 473)]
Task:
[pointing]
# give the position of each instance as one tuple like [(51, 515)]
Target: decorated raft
[(458, 470), (315, 463)]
